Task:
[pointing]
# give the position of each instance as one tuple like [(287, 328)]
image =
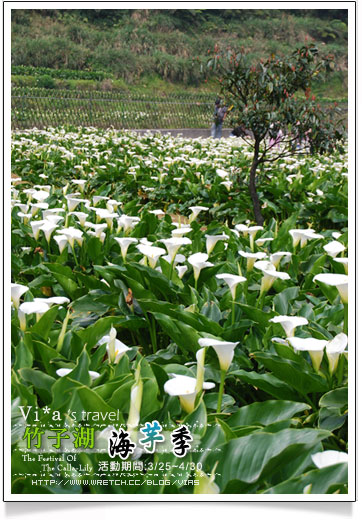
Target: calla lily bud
[(136, 401), (206, 485), (112, 345), (115, 348), (63, 331), (200, 356)]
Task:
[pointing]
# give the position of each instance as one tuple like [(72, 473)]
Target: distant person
[(220, 112)]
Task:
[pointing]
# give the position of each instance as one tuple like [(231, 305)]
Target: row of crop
[(27, 70), (118, 95), (124, 112)]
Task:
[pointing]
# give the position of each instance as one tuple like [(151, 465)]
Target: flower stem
[(221, 390), (233, 313), (340, 369), (260, 300), (345, 321), (171, 269), (153, 334), (75, 258)]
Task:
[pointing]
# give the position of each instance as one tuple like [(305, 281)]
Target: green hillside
[(163, 50)]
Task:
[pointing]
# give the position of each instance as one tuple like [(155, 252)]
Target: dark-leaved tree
[(273, 108)]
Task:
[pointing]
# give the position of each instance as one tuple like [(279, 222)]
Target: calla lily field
[(144, 294)]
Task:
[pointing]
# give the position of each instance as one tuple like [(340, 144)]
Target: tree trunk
[(252, 188)]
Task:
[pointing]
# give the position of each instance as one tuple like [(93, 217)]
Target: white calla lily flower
[(81, 216), (289, 323), (145, 241), (157, 212), (135, 404), (72, 202), (54, 219), (212, 240), (223, 349), (275, 258), (62, 242), (40, 195), (200, 358), (227, 184), (17, 290), (98, 198), (303, 235), (104, 214), (184, 387), (315, 348), (62, 372), (127, 223), (270, 275), (262, 241), (340, 281), (54, 300), (152, 253), (195, 212), (25, 308), (327, 458), (35, 226), (181, 270), (334, 248), (25, 216), (36, 207), (221, 173), (80, 182), (232, 281), (177, 260), (344, 262), (334, 349), (251, 231), (52, 211), (198, 262), (48, 228), (72, 234), (98, 228), (173, 245), (124, 243), (251, 258), (115, 347), (180, 231)]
